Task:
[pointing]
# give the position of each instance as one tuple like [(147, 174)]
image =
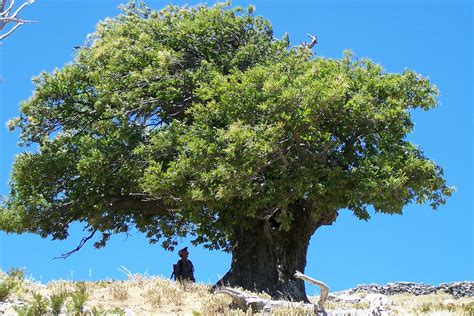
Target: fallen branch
[(324, 288), (245, 301)]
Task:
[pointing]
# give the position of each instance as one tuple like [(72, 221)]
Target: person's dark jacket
[(185, 270)]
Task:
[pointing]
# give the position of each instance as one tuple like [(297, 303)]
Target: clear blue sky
[(434, 38)]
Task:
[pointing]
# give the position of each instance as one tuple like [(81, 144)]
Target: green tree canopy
[(198, 121)]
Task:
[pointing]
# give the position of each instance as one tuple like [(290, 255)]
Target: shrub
[(116, 311), (11, 282), (22, 310), (39, 305), (56, 302), (79, 298), (98, 310), (468, 309), (119, 291)]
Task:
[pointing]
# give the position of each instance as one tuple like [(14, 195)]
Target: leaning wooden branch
[(246, 301), (310, 45), (6, 17), (324, 288)]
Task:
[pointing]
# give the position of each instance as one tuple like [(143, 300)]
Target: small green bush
[(39, 305), (56, 302), (10, 282), (22, 310), (79, 298), (116, 311), (98, 310)]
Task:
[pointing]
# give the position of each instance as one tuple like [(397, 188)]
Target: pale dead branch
[(324, 288), (246, 301), (7, 17), (310, 45)]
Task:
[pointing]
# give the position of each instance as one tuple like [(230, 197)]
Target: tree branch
[(246, 301), (324, 288), (6, 17), (7, 10), (142, 203), (310, 45), (82, 243)]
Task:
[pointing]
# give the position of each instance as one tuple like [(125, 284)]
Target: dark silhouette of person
[(184, 267)]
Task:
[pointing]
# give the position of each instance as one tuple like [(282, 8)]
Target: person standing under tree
[(183, 270)]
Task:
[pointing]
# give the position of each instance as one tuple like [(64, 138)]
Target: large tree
[(198, 122)]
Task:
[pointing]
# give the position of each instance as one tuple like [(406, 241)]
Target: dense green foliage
[(197, 120)]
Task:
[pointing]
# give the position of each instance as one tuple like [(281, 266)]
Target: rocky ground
[(143, 295)]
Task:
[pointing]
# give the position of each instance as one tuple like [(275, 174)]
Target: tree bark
[(265, 258)]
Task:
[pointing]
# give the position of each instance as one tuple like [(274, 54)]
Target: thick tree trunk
[(265, 259)]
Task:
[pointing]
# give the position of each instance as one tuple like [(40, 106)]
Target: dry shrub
[(161, 292), (119, 291), (216, 304), (293, 311)]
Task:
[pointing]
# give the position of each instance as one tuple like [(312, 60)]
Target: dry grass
[(433, 304), (145, 295)]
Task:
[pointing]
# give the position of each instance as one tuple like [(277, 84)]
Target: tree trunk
[(265, 259)]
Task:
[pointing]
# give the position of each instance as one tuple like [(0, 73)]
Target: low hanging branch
[(7, 16), (246, 301), (82, 243)]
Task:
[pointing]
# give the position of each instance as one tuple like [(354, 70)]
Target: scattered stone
[(457, 289), (378, 304), (346, 298)]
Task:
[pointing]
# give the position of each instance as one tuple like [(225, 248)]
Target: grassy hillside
[(145, 295)]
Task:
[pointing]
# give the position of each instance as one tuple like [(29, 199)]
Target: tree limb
[(314, 41), (7, 10), (310, 45), (142, 203), (324, 288), (6, 17), (81, 243), (246, 301), (3, 36)]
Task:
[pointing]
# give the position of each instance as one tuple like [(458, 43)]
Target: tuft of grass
[(290, 311), (98, 310), (216, 304), (10, 282), (467, 309), (79, 298), (56, 302), (37, 307), (437, 307), (22, 310), (116, 311), (165, 293), (119, 291)]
